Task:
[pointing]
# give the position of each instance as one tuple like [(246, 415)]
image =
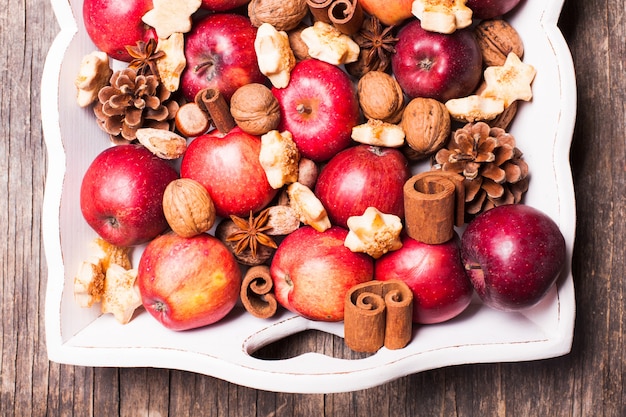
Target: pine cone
[(133, 101), (495, 173)]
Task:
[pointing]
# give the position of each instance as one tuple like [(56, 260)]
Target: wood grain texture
[(587, 382)]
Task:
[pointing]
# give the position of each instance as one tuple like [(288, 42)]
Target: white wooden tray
[(543, 129)]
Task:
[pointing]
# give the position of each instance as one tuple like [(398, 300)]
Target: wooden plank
[(588, 382)]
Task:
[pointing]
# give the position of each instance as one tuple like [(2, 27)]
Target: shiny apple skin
[(313, 271), (228, 167), (186, 283), (436, 65), (488, 9), (434, 273), (514, 255), (220, 54), (388, 12), (121, 194), (114, 24), (222, 5), (332, 109), (363, 176)]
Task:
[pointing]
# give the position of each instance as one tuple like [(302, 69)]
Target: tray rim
[(64, 352)]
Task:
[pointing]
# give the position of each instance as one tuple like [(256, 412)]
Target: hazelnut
[(255, 109), (426, 124), (496, 39), (380, 97), (298, 47)]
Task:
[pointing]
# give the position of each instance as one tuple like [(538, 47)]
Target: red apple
[(121, 195), (319, 107), (228, 167), (220, 54), (388, 12), (436, 275), (487, 9), (436, 65), (363, 176), (514, 255), (222, 5), (114, 24), (313, 271), (187, 283)]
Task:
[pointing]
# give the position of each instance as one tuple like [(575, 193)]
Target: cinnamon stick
[(346, 15), (377, 314), (433, 205), (217, 107), (399, 323), (319, 9), (256, 292)]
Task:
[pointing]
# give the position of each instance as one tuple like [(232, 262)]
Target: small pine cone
[(133, 101), (494, 170)]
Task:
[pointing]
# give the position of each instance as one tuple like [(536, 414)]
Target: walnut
[(188, 207), (426, 123), (255, 109), (380, 97), (282, 14), (496, 39)]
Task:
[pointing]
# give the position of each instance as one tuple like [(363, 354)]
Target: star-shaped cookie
[(509, 82), (171, 16)]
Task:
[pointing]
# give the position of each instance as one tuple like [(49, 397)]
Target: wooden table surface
[(587, 382)]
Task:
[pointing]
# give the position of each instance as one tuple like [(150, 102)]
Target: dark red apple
[(114, 24), (222, 5), (363, 176), (436, 275), (436, 65), (487, 9), (319, 107), (313, 271), (228, 167), (187, 283), (121, 194), (220, 54), (514, 255)]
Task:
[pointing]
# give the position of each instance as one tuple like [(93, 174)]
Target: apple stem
[(203, 65), (469, 267), (302, 109)]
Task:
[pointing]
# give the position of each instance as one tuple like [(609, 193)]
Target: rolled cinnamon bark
[(433, 204), (319, 9), (346, 15), (217, 107), (256, 292), (377, 314), (399, 323)]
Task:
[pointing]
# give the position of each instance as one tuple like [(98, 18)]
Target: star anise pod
[(144, 56), (250, 233), (377, 43)]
